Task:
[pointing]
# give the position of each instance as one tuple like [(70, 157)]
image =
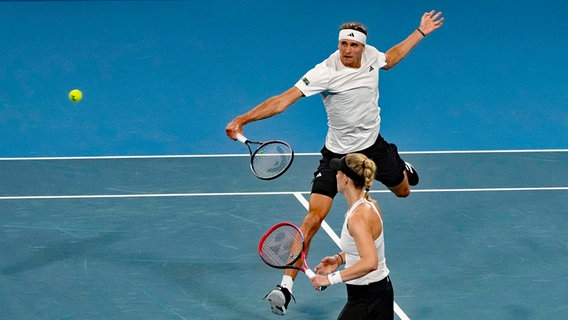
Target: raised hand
[(431, 21)]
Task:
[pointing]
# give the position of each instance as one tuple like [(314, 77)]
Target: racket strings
[(271, 159), (283, 246)]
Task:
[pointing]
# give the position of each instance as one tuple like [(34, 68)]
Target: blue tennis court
[(133, 203), (164, 238)]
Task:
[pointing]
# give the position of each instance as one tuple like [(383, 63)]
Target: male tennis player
[(348, 82)]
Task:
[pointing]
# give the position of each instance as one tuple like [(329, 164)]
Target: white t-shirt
[(350, 96), (352, 254)]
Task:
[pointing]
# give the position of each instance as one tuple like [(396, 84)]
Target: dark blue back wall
[(165, 77)]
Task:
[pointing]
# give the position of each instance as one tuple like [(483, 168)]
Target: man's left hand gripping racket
[(271, 159), (282, 246)]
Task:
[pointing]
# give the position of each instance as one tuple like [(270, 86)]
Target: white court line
[(400, 313), (298, 195), (325, 226), (220, 194), (248, 155)]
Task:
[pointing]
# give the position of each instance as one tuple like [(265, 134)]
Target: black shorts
[(390, 167), (373, 301)]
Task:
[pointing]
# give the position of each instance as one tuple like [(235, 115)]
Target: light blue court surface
[(483, 237), (120, 235)]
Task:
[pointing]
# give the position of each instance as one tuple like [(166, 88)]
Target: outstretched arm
[(430, 21), (266, 109)]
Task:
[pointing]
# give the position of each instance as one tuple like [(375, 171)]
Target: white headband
[(351, 34)]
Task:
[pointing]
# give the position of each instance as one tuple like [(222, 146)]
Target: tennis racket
[(282, 246), (270, 159)]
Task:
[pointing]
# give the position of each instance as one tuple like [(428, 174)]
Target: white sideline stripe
[(220, 194), (400, 313), (325, 226), (248, 155)]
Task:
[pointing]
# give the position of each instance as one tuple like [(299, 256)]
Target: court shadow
[(58, 251)]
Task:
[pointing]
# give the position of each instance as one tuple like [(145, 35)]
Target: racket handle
[(241, 138), (310, 273)]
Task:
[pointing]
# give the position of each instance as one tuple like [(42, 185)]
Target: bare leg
[(279, 298), (318, 210), (403, 189)]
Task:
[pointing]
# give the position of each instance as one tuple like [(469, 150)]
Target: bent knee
[(403, 194), (401, 191)]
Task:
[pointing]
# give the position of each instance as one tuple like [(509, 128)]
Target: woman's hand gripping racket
[(282, 246), (271, 159)]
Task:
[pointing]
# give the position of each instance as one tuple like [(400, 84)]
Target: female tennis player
[(369, 290)]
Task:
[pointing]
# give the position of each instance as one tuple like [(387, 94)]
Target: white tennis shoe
[(278, 299)]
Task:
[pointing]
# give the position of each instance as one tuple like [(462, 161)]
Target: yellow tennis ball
[(75, 95)]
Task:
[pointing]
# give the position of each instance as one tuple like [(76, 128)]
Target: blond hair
[(364, 167)]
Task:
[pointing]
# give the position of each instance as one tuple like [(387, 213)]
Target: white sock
[(287, 282)]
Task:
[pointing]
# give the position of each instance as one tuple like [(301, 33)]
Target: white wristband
[(334, 278)]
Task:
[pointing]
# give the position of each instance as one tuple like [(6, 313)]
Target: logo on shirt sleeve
[(371, 68), (306, 81)]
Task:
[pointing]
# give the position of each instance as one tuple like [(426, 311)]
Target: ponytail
[(363, 167), (369, 168)]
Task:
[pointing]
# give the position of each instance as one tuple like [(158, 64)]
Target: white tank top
[(352, 254)]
